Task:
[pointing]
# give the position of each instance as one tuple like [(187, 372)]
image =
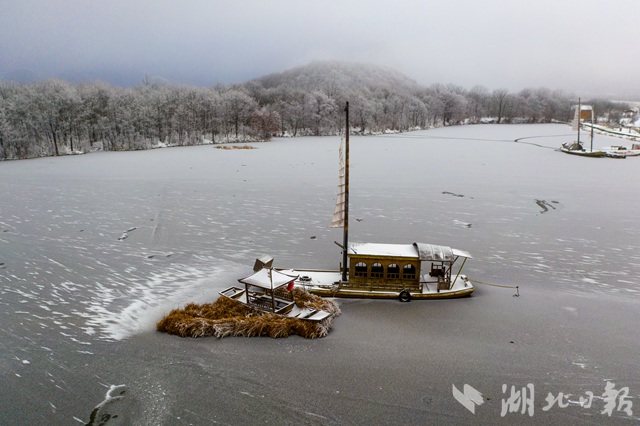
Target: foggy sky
[(587, 47)]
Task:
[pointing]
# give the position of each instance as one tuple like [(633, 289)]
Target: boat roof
[(421, 251), (375, 249), (584, 107), (268, 278)]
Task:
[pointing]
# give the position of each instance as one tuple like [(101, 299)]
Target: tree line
[(55, 117)]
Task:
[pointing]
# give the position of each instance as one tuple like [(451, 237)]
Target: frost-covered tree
[(499, 102), (477, 103), (295, 114), (236, 108), (320, 109), (54, 117), (417, 113), (55, 108), (121, 113), (362, 107), (20, 136), (94, 99), (5, 127), (447, 103)]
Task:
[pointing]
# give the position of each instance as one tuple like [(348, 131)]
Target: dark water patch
[(520, 140), (126, 233), (546, 205), (452, 194)]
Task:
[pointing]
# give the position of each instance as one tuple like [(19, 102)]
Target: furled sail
[(338, 214), (575, 123), (583, 113)]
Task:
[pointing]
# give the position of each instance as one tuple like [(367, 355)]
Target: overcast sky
[(587, 47)]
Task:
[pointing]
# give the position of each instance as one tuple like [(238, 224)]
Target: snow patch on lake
[(147, 301)]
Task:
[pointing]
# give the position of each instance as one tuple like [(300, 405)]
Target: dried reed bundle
[(235, 147), (306, 299), (227, 317)]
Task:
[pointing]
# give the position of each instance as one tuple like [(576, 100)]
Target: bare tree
[(265, 123)]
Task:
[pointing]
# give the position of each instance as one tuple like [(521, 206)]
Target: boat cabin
[(397, 267)]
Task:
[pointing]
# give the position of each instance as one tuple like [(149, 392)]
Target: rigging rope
[(500, 285)]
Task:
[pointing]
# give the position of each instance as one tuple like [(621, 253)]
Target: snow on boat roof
[(434, 252), (375, 249), (268, 278), (584, 107), (421, 251)]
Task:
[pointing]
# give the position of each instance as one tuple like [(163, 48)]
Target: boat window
[(377, 271), (409, 272), (360, 269), (393, 271)]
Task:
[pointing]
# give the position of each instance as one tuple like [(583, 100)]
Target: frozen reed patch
[(226, 317)]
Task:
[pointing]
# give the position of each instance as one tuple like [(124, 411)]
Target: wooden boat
[(619, 151), (389, 271), (403, 271), (576, 148), (269, 290)]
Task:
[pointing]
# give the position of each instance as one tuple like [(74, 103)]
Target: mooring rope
[(500, 285)]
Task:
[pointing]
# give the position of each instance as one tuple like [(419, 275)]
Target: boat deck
[(282, 307)]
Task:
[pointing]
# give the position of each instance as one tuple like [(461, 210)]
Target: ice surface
[(100, 246), (196, 218)]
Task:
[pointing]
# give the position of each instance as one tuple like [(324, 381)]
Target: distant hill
[(338, 75)]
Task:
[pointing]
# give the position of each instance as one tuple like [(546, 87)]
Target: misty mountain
[(337, 76)]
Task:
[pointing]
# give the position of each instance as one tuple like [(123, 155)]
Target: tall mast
[(345, 237), (579, 117), (592, 114)]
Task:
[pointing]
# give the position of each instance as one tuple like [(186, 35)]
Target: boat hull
[(594, 154), (363, 294), (616, 155), (328, 284)]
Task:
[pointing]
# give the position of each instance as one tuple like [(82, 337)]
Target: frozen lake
[(95, 249)]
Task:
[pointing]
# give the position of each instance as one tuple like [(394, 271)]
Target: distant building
[(631, 118)]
